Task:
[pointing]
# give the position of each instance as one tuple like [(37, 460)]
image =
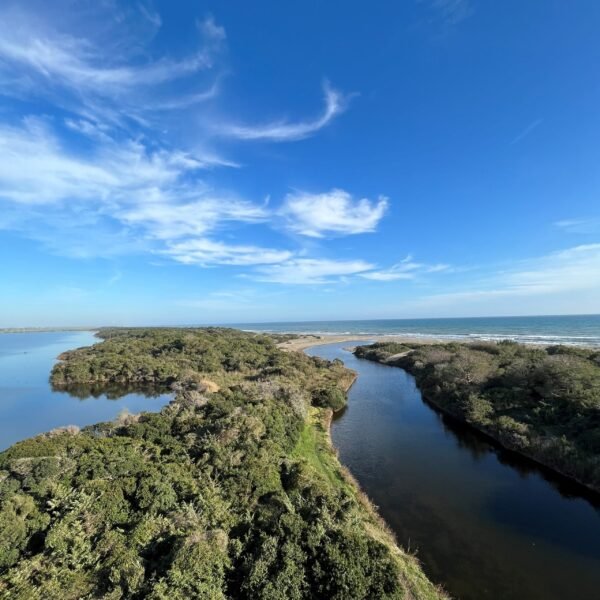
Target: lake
[(29, 406), (484, 522)]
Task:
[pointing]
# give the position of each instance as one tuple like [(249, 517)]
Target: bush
[(329, 397)]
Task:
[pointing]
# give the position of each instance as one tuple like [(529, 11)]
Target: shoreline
[(304, 342), (411, 570), (587, 489)]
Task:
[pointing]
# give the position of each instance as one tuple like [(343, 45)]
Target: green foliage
[(543, 402), (381, 351), (223, 494), (330, 396)]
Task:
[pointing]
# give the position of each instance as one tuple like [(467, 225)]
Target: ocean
[(570, 329)]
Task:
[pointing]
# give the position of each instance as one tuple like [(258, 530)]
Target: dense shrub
[(330, 396)]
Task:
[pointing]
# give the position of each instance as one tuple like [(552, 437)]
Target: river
[(484, 522), (29, 405)]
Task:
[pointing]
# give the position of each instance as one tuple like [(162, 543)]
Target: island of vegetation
[(542, 402), (231, 491)]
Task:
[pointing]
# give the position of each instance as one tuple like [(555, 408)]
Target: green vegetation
[(541, 402), (381, 351), (231, 491)]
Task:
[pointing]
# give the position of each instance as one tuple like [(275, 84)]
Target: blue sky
[(191, 162)]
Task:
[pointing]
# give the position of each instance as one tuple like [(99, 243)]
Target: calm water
[(576, 329), (29, 406), (484, 523)]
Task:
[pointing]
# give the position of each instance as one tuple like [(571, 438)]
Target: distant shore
[(44, 329), (307, 341), (302, 342)]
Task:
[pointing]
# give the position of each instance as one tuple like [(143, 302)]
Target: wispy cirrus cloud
[(333, 212), (98, 155), (168, 219), (576, 268), (581, 225), (283, 130), (119, 190), (136, 199), (451, 12), (554, 277), (405, 269), (104, 78), (206, 252), (311, 271), (37, 168), (528, 130)]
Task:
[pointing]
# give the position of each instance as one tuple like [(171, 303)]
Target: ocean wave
[(536, 334)]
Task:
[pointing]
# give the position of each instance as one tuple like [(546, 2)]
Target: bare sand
[(307, 341)]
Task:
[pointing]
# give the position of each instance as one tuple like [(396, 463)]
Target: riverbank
[(586, 490), (322, 454), (484, 523), (541, 403), (413, 578)]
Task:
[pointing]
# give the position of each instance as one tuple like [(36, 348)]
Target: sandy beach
[(307, 341)]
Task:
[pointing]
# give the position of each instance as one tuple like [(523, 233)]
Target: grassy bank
[(231, 491), (543, 403)]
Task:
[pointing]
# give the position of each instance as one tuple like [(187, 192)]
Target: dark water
[(29, 406), (564, 329), (484, 523)]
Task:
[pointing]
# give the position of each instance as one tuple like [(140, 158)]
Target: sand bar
[(306, 341)]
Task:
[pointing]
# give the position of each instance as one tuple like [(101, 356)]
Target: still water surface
[(484, 523), (29, 406)]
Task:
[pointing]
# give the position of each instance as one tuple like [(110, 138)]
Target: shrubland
[(231, 491), (543, 402)]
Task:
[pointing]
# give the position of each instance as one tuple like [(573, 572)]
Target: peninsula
[(231, 491)]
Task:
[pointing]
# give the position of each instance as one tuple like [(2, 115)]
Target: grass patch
[(313, 446)]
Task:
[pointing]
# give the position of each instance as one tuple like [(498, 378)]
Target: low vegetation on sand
[(231, 491), (541, 402)]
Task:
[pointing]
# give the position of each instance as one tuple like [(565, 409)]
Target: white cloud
[(107, 73), (76, 63), (405, 269), (99, 172), (529, 129), (136, 199), (152, 16), (205, 252), (212, 31), (37, 169), (315, 215), (145, 194), (573, 269), (452, 11), (169, 220), (284, 130), (568, 280), (582, 226), (311, 271)]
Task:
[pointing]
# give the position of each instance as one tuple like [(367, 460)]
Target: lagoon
[(29, 405)]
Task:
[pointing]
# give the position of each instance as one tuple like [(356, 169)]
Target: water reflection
[(28, 403), (109, 391), (486, 523)]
